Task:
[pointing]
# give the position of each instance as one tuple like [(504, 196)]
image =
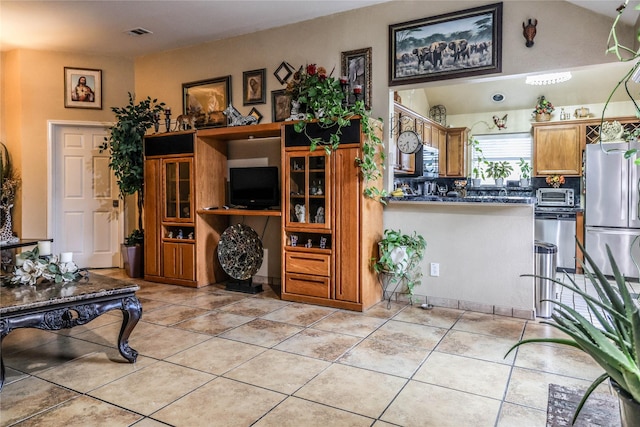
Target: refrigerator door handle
[(624, 194)]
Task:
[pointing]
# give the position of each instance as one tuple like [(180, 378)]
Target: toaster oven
[(560, 197)]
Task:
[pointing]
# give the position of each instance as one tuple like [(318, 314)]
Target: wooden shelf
[(267, 130), (241, 212)]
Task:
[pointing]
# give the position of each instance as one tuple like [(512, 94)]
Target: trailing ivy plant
[(125, 148), (323, 98)]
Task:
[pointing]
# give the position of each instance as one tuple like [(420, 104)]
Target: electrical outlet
[(435, 269)]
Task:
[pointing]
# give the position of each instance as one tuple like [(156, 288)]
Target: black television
[(254, 187)]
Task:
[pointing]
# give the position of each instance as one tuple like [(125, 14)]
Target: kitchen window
[(506, 146)]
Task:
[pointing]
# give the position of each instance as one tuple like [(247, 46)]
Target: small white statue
[(320, 216), (300, 213)]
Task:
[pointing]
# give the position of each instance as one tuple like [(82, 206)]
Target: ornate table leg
[(131, 313)]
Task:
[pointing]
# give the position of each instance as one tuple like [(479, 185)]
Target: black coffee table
[(61, 306)]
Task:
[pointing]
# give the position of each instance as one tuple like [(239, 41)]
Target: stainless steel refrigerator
[(611, 209)]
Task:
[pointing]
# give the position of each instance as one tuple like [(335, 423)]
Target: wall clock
[(409, 142)]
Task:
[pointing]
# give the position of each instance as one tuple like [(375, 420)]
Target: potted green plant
[(322, 98), (499, 171), (478, 162), (525, 172), (126, 159), (399, 258), (613, 341)]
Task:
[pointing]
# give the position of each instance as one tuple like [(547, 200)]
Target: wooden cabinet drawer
[(307, 263), (307, 285)]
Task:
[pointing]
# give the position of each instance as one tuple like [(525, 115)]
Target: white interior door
[(85, 208)]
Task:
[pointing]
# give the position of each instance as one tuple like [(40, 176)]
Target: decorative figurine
[(294, 240), (167, 118), (170, 235), (156, 122), (190, 236), (319, 216), (529, 32), (300, 213), (323, 242), (309, 244), (179, 236), (234, 118), (184, 120), (501, 123)]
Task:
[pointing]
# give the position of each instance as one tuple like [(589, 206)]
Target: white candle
[(44, 248), (66, 257)]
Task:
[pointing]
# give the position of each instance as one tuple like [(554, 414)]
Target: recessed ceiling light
[(497, 97), (548, 79)]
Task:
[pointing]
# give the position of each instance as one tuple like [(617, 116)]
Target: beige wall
[(33, 94)]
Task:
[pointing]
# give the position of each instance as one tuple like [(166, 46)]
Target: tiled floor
[(214, 358)]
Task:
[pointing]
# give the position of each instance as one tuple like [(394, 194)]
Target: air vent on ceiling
[(138, 32)]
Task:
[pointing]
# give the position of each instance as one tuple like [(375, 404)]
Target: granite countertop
[(14, 298), (515, 200)]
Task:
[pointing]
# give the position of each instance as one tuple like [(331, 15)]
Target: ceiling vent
[(138, 32)]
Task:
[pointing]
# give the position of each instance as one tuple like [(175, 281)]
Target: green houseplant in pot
[(125, 148), (499, 171), (525, 172), (322, 98), (399, 258), (477, 172), (613, 340)]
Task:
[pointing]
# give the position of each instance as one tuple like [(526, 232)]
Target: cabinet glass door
[(177, 206), (307, 190)]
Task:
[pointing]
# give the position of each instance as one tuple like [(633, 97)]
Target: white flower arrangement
[(35, 269)]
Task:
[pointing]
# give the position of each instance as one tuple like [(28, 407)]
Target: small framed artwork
[(459, 44), (82, 88), (356, 67), (207, 99), (254, 87), (255, 113), (280, 105), (284, 72)]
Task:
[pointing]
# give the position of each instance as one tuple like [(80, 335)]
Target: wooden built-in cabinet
[(328, 248), (450, 142)]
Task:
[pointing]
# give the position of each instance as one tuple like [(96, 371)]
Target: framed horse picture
[(207, 100), (454, 45)]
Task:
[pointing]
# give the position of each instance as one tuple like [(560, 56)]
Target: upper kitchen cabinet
[(557, 148), (453, 157)]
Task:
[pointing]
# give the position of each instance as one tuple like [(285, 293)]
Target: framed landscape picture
[(207, 99), (82, 88), (458, 44)]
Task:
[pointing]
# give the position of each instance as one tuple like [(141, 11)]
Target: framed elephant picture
[(454, 45)]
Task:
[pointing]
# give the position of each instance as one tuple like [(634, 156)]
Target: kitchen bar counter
[(519, 200)]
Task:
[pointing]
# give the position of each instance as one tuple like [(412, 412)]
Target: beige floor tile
[(254, 307), (213, 300), (299, 314), (295, 412), (214, 323), (562, 360), (386, 357), (531, 388), (24, 338), (93, 370), (168, 293), (223, 402), (53, 353), (349, 323), (148, 305), (216, 355), (412, 334), (262, 332), (278, 371), (149, 389), (149, 422), (319, 344), (420, 404), (12, 375), (517, 416), (438, 316), (353, 389), (540, 330), (161, 342), (489, 324), (84, 411), (24, 398), (465, 374), (485, 347), (386, 310), (172, 314)]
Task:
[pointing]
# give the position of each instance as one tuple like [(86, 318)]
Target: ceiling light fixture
[(497, 97), (548, 79)]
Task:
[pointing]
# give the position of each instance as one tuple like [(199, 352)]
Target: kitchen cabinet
[(454, 159), (331, 229), (557, 148)]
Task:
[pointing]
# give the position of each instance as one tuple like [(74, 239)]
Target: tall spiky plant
[(614, 341)]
